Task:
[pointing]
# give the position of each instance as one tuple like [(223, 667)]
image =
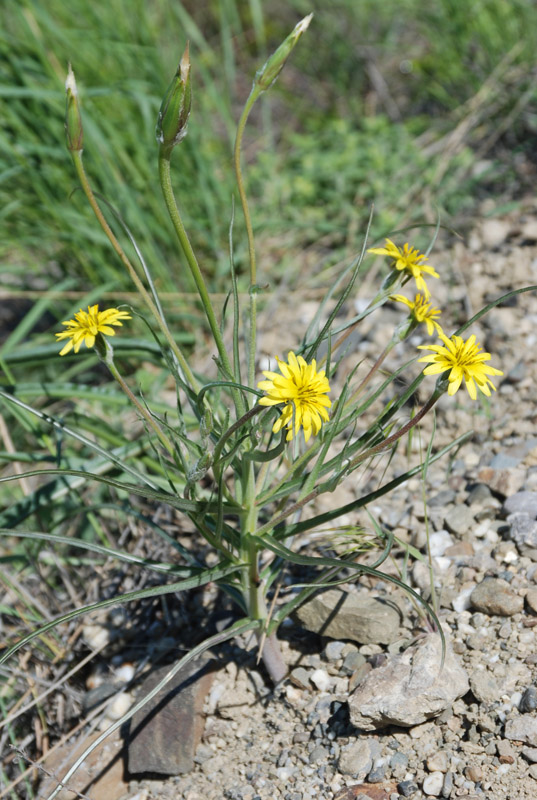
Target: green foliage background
[(358, 115)]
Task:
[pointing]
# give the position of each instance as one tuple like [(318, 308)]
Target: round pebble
[(528, 701), (433, 783)]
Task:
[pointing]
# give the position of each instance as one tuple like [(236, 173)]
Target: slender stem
[(254, 94), (88, 191), (184, 241), (109, 361)]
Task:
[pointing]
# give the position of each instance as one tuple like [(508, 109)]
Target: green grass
[(328, 133)]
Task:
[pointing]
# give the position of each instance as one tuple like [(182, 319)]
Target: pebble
[(355, 759), (407, 788), (528, 701), (522, 729), (530, 754), (531, 599), (494, 597), (459, 520), (438, 762), (321, 679), (521, 503), (433, 783)]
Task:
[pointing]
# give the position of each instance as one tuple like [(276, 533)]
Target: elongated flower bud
[(175, 109), (272, 68), (73, 118)]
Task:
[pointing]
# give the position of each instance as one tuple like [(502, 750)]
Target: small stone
[(448, 784), (352, 662), (433, 783), (438, 762), (377, 774), (528, 701), (532, 771), (355, 759), (531, 599), (333, 651), (521, 503), (321, 679), (474, 773), (350, 615), (505, 748), (493, 596), (503, 481), (301, 677), (530, 754), (523, 532), (119, 706), (459, 520), (522, 729), (479, 495), (407, 788), (494, 232), (318, 754)]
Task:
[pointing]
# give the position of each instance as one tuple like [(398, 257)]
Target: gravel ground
[(297, 743)]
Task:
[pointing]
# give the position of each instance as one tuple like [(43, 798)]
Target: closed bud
[(175, 109), (270, 71), (73, 118)]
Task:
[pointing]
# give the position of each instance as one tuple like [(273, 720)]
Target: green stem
[(184, 241), (108, 359), (88, 191), (254, 94)]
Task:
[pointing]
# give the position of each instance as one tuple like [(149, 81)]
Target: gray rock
[(409, 688), (407, 788), (523, 532), (484, 686), (528, 701), (505, 461), (333, 650), (493, 596), (459, 519), (344, 615), (165, 733), (448, 784), (479, 495), (318, 754), (522, 729), (301, 677), (530, 754), (356, 759)]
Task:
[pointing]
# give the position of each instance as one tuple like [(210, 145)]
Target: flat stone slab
[(165, 733)]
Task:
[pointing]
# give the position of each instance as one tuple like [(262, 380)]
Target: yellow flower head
[(464, 360), (87, 324), (303, 390), (409, 259), (421, 311)]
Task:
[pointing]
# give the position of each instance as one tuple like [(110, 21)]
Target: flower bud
[(73, 118), (272, 68), (175, 109)]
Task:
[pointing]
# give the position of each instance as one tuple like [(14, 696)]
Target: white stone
[(432, 785), (321, 679)]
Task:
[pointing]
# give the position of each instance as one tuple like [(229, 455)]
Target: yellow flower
[(421, 311), (409, 259), (303, 390), (464, 360), (87, 324)]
